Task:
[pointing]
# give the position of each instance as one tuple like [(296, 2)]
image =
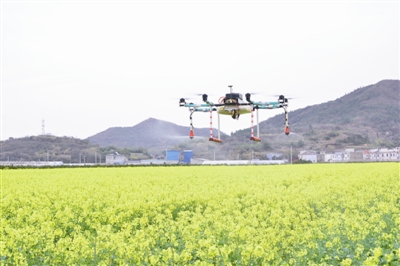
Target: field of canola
[(333, 214)]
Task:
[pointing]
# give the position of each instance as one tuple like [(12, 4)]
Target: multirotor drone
[(233, 104)]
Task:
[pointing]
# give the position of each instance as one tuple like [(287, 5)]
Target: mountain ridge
[(348, 109), (150, 133)]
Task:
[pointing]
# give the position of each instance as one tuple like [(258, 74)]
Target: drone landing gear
[(191, 132), (215, 140), (211, 127), (287, 130), (253, 138)]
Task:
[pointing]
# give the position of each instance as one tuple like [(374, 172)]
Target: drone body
[(233, 104)]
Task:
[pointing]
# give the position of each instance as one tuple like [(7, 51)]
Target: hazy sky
[(86, 66)]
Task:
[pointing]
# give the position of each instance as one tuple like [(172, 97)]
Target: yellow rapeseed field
[(329, 214)]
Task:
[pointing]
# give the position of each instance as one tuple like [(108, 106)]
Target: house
[(350, 155), (346, 154), (371, 155), (321, 158), (329, 157), (388, 154), (356, 156), (338, 157), (116, 159), (367, 156), (381, 155), (273, 156), (308, 156)]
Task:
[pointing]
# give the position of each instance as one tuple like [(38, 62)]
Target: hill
[(152, 134), (65, 149), (374, 106)]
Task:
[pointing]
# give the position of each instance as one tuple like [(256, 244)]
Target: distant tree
[(302, 162), (266, 146), (300, 143)]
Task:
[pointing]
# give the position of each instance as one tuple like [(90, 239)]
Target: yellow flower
[(378, 252), (259, 251), (347, 262), (212, 251)]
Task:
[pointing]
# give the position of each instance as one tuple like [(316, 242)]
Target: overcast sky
[(86, 66)]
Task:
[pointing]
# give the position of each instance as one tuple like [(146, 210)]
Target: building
[(321, 157), (388, 155), (187, 156), (273, 156), (356, 156), (173, 155), (329, 157), (308, 156), (382, 155), (338, 157), (350, 155), (116, 159)]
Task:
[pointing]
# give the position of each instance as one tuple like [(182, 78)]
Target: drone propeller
[(257, 92), (201, 94), (188, 98), (249, 94), (279, 95), (195, 94), (182, 101)]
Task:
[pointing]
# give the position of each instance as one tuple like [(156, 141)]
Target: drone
[(233, 104)]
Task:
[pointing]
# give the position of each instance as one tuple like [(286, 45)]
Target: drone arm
[(204, 109), (269, 105), (192, 105)]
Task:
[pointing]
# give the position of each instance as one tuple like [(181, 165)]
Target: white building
[(308, 156), (382, 155), (338, 157), (329, 157), (388, 154), (116, 159), (350, 155)]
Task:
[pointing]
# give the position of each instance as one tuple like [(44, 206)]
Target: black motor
[(233, 98)]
